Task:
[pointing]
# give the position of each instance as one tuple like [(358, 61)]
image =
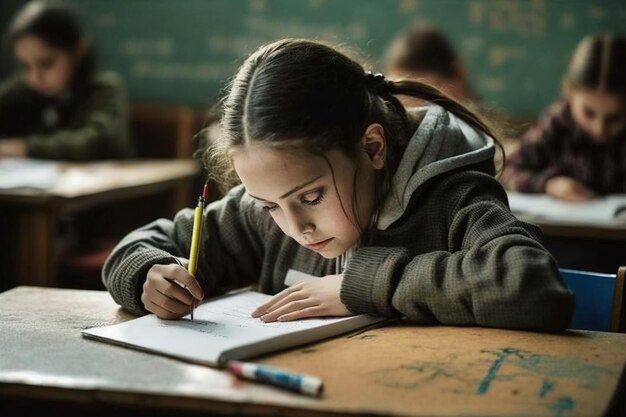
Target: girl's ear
[(374, 145), (566, 90), (81, 50)]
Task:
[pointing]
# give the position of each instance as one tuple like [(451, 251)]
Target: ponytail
[(388, 90)]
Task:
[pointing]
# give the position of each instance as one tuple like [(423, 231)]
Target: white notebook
[(16, 173), (605, 210), (223, 330)]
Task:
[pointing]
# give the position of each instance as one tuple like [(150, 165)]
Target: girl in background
[(577, 150), (59, 106), (424, 53), (396, 212)]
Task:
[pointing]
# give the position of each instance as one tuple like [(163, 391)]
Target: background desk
[(560, 229), (46, 367), (590, 247), (34, 213)]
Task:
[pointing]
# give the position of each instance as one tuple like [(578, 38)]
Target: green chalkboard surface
[(184, 51)]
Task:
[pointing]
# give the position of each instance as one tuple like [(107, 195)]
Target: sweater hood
[(441, 143)]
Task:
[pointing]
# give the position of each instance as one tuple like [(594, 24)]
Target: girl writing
[(578, 148), (59, 106), (397, 212)]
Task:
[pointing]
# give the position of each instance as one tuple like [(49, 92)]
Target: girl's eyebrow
[(293, 190)]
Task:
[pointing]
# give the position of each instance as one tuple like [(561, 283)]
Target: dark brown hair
[(303, 95), (422, 48), (59, 27), (599, 63)]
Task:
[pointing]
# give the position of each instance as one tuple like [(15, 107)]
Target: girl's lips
[(319, 245)]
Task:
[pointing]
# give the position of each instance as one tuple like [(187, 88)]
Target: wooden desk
[(399, 371), (560, 229), (590, 247), (81, 186)]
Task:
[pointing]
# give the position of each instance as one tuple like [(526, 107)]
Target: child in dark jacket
[(578, 148), (59, 107), (397, 212)]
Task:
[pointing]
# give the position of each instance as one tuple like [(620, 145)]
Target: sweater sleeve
[(100, 131), (495, 273), (536, 157), (230, 253)]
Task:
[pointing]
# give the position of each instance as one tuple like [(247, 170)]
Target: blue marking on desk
[(546, 387)]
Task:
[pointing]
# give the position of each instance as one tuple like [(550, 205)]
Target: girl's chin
[(48, 93), (329, 253)]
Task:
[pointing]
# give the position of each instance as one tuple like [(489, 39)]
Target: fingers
[(578, 196), (309, 312), (169, 291), (191, 284), (181, 276), (312, 298), (293, 308), (276, 301), (165, 307)]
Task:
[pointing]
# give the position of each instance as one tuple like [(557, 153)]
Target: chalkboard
[(184, 51)]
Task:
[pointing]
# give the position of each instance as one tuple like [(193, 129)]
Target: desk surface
[(32, 215), (400, 370), (555, 228), (86, 179)]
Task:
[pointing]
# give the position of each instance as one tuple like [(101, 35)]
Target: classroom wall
[(184, 51)]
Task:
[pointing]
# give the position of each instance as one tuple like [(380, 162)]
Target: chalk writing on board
[(276, 29), (527, 17), (408, 6), (501, 54), (259, 30), (198, 71), (567, 20), (597, 12), (492, 84), (161, 47)]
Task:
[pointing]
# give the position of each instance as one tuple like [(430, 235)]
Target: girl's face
[(299, 192), (47, 70), (600, 114)]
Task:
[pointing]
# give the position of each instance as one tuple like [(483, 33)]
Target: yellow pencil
[(195, 237)]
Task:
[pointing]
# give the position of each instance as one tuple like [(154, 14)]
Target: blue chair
[(599, 300)]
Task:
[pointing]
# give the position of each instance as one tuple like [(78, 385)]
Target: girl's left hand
[(13, 147), (311, 298)]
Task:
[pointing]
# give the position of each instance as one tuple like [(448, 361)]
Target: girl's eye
[(47, 62), (590, 114), (270, 208), (613, 119), (313, 198)]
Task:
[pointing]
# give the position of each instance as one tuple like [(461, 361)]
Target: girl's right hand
[(169, 291), (568, 189)]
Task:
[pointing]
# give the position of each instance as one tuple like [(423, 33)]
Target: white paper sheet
[(28, 173), (222, 325), (605, 210)]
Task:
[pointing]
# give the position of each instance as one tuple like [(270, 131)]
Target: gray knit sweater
[(446, 250)]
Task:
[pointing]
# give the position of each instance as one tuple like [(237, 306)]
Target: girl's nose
[(35, 77), (299, 225), (598, 129)]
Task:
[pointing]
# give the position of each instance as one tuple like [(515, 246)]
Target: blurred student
[(577, 150), (424, 53), (59, 106)]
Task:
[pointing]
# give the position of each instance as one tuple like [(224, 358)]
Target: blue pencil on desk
[(305, 384)]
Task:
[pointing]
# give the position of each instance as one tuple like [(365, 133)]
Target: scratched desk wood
[(80, 186), (399, 370)]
